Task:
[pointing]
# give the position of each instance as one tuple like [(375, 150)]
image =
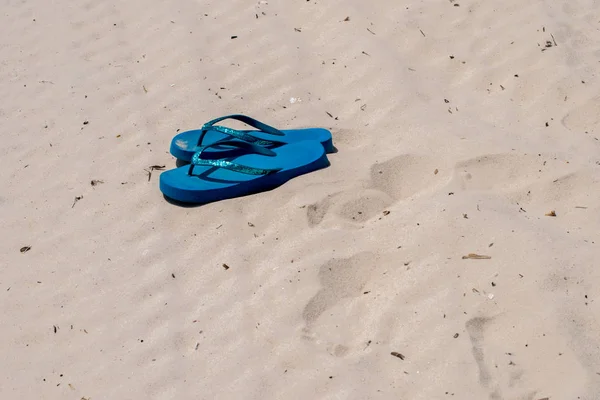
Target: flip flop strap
[(220, 163), (245, 136)]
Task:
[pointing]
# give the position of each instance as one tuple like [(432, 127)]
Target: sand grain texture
[(459, 125)]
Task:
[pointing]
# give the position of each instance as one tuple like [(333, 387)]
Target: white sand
[(322, 285)]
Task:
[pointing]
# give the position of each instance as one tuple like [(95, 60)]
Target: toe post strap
[(198, 160), (242, 135)]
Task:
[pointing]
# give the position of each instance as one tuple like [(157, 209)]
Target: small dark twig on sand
[(77, 198), (154, 168)]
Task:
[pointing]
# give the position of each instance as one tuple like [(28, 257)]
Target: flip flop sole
[(208, 184)]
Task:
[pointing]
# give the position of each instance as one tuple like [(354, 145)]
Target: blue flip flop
[(253, 169), (185, 144)]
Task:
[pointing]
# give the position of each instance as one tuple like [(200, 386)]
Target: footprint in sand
[(350, 139), (542, 179), (497, 171), (394, 180), (405, 176), (585, 118), (340, 278), (316, 212), (356, 206), (486, 355), (507, 360)]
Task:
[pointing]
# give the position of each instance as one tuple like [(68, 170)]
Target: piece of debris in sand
[(154, 168), (551, 214), (396, 354), (77, 198), (473, 256)]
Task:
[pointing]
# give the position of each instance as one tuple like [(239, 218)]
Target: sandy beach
[(448, 252)]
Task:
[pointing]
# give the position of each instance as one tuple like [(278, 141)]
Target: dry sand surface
[(459, 125)]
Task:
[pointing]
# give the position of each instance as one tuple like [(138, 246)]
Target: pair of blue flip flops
[(227, 163)]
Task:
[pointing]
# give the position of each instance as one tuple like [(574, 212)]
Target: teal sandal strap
[(220, 163), (245, 136)]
